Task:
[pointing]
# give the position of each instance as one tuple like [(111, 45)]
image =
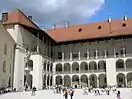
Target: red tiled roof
[(91, 31), (19, 17)]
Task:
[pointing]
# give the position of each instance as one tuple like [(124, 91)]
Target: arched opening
[(75, 67), (129, 80), (48, 80), (101, 66), (44, 81), (67, 81), (102, 81), (92, 66), (30, 64), (28, 81), (75, 81), (121, 80), (67, 67), (51, 80), (93, 80), (51, 67), (84, 81), (9, 82), (44, 65), (48, 66), (58, 80), (129, 64), (84, 67), (120, 65), (59, 68)]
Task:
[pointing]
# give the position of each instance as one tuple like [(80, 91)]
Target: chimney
[(53, 27), (30, 17), (125, 17), (109, 19), (4, 16), (66, 25)]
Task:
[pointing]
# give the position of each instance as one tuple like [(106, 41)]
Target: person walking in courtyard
[(66, 94), (71, 93), (118, 95), (33, 91)]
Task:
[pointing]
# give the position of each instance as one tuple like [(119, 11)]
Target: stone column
[(79, 55), (62, 56), (88, 82), (97, 82), (96, 53), (124, 54), (87, 54), (126, 81), (70, 56), (79, 83), (105, 53), (114, 52)]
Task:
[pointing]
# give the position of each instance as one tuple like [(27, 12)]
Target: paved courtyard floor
[(48, 94)]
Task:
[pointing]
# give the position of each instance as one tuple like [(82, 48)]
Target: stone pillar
[(70, 56), (98, 82), (96, 53), (54, 81), (88, 82), (79, 55), (79, 83), (114, 52), (126, 81), (124, 54), (105, 53), (71, 68), (49, 80), (63, 81), (62, 56), (87, 54)]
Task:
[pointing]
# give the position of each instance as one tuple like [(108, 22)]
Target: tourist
[(71, 93), (118, 95), (33, 91), (66, 94)]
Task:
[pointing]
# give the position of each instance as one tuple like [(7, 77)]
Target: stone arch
[(67, 81), (75, 81), (129, 79), (119, 64), (58, 80), (121, 80), (93, 80), (75, 67), (67, 67), (102, 81), (92, 66), (84, 81), (30, 64), (59, 67), (83, 66), (101, 65), (129, 64)]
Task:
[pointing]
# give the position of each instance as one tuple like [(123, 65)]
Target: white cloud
[(56, 11)]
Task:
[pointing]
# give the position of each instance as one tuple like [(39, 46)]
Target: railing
[(120, 69), (91, 58)]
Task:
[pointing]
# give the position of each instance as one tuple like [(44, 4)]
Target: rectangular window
[(74, 55), (4, 66), (59, 55), (5, 49)]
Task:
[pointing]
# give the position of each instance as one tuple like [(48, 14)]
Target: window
[(74, 55), (4, 66), (5, 49), (85, 54), (79, 30), (99, 27), (59, 55), (120, 79), (124, 25), (94, 54)]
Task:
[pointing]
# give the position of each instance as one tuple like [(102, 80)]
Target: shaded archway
[(93, 80), (30, 64), (129, 79), (75, 67), (48, 66), (84, 81), (29, 79), (59, 68), (121, 80), (84, 67), (51, 80), (67, 67), (67, 81), (101, 66), (44, 81), (75, 81), (120, 65), (58, 80), (102, 81), (48, 80), (129, 64), (92, 66)]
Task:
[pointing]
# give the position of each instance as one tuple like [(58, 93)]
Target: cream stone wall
[(5, 39)]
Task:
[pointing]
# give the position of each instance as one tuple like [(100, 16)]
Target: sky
[(48, 12)]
